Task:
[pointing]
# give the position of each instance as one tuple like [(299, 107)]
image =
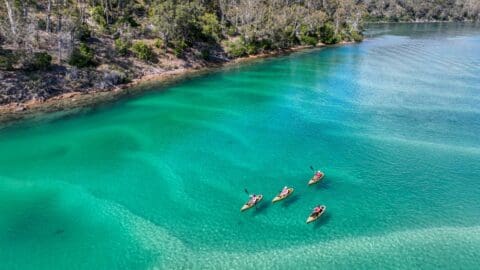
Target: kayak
[(316, 178), (248, 206), (280, 197), (315, 216)]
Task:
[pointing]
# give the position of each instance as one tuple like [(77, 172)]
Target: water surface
[(156, 182)]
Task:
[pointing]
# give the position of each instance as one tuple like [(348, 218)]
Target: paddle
[(311, 168), (246, 191)]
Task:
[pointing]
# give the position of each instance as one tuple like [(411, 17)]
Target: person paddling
[(316, 213), (253, 199), (317, 210), (284, 191)]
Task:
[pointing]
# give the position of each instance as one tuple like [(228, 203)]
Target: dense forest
[(422, 10), (64, 29), (100, 43), (52, 46)]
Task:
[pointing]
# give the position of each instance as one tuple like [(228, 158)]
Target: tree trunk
[(13, 25), (59, 30), (49, 11)]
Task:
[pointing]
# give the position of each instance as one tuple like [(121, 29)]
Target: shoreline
[(71, 101)]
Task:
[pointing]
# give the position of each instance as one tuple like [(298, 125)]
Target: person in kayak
[(253, 199), (284, 191), (318, 174), (316, 211)]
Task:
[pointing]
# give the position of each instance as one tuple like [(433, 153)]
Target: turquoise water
[(156, 182)]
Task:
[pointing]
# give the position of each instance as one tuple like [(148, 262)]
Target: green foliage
[(128, 20), (309, 40), (411, 10), (236, 48), (185, 26), (83, 33), (205, 54), (356, 36), (251, 48), (159, 43), (7, 60), (41, 24), (240, 47), (139, 9), (97, 14), (121, 47), (327, 34), (179, 47), (177, 22), (142, 51), (307, 37), (82, 56), (231, 31), (38, 61), (210, 26)]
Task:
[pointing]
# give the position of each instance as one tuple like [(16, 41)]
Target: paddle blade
[(311, 168)]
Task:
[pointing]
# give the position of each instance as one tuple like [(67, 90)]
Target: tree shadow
[(324, 219), (290, 200)]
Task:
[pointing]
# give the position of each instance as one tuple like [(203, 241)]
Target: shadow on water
[(323, 185), (324, 219), (59, 231), (261, 208), (290, 200)]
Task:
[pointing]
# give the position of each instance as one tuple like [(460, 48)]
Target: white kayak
[(280, 197), (316, 178), (315, 216), (249, 205)]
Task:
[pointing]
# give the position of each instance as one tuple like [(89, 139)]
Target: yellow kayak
[(249, 205), (280, 197), (316, 178), (314, 216)]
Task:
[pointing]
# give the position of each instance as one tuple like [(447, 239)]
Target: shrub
[(128, 20), (158, 43), (81, 56), (121, 47), (306, 36), (231, 31), (139, 10), (205, 54), (179, 47), (265, 44), (251, 48), (308, 40), (356, 36), (236, 49), (142, 51), (327, 34), (114, 77), (38, 61), (7, 60), (97, 15), (83, 33), (41, 24), (210, 26)]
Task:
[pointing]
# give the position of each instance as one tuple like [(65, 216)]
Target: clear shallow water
[(156, 182)]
